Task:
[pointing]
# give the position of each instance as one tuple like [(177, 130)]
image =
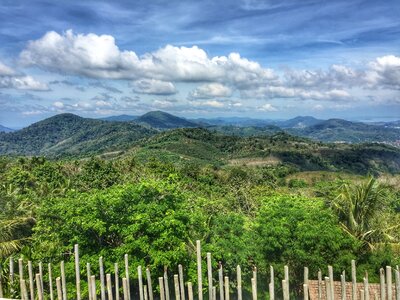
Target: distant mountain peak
[(163, 120)]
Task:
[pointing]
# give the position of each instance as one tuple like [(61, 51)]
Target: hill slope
[(163, 120), (68, 134), (335, 130), (208, 147), (120, 118), (5, 129)]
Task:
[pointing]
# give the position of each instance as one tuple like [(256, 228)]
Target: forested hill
[(163, 120), (210, 147), (71, 135), (5, 129)]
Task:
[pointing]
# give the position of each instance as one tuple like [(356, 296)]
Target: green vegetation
[(261, 200)]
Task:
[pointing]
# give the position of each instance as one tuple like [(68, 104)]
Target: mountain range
[(70, 135)]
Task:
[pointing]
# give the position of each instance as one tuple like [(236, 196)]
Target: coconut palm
[(363, 212)]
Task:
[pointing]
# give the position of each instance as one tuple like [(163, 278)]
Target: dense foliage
[(155, 210)]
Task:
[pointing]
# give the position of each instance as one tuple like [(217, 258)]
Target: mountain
[(71, 135), (234, 121), (245, 130), (163, 120), (299, 122), (338, 130), (5, 129), (213, 148), (120, 118)]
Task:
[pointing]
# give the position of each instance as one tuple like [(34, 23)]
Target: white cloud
[(98, 56), (10, 79), (58, 104), (153, 87), (268, 107), (385, 71), (210, 90)]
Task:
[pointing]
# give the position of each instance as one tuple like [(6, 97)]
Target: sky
[(263, 59)]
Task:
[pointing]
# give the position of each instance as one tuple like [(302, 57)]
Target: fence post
[(126, 289), (199, 273), (181, 282), (41, 275), (109, 287), (319, 285), (116, 281), (397, 276), (89, 276), (149, 284), (271, 283), (253, 288), (77, 272), (305, 288), (1, 283), (59, 288), (353, 280), (162, 292), (63, 281), (366, 287), (221, 281), (126, 259), (21, 276), (39, 287), (331, 283), (209, 275), (239, 282), (190, 291), (166, 284), (11, 275), (389, 282), (140, 280), (176, 286), (50, 281), (328, 289), (226, 283), (382, 283), (31, 286), (343, 282)]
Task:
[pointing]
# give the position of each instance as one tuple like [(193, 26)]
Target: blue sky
[(263, 59)]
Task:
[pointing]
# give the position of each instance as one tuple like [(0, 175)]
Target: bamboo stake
[(166, 284), (126, 259), (24, 292), (116, 281), (21, 277), (39, 287), (389, 282), (331, 284), (319, 285), (109, 287), (343, 283), (362, 295), (221, 281), (93, 287), (162, 291), (272, 284), (253, 288), (353, 280), (145, 292), (1, 282), (176, 285), (239, 282), (140, 280), (305, 288), (214, 293), (397, 276), (366, 288), (255, 278), (125, 288), (41, 275), (199, 273), (328, 289), (149, 284), (102, 283), (305, 276), (226, 284), (77, 272), (190, 291), (31, 286), (284, 290), (209, 273), (181, 282), (89, 276), (11, 275), (63, 281), (50, 281), (382, 283), (287, 291), (59, 291)]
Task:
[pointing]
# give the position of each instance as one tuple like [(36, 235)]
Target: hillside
[(5, 129), (338, 130), (208, 147), (120, 118), (68, 134), (163, 120), (299, 122)]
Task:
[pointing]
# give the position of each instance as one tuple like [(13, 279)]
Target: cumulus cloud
[(153, 87), (385, 71), (98, 56), (210, 90), (11, 79), (268, 107)]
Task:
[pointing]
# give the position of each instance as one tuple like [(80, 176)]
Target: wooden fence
[(119, 286)]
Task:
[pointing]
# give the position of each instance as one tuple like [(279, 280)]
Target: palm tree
[(363, 212)]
